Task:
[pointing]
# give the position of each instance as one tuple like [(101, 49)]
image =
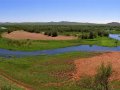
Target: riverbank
[(33, 45), (44, 72), (56, 72)]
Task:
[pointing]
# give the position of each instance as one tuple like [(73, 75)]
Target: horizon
[(62, 21), (83, 11)]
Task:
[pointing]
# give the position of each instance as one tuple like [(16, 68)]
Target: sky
[(93, 11)]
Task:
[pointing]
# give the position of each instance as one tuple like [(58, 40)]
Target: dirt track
[(34, 36), (14, 81), (88, 66)]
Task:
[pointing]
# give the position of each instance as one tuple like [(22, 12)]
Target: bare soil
[(88, 66), (18, 35)]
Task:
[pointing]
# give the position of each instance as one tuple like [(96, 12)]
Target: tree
[(91, 35), (116, 42), (54, 34), (45, 33), (84, 36), (106, 34), (100, 34), (49, 33)]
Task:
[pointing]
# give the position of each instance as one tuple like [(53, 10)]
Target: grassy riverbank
[(44, 72), (31, 45)]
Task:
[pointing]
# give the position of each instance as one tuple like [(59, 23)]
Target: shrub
[(45, 33), (106, 34), (84, 36), (54, 34), (100, 81), (116, 42), (49, 33), (92, 35), (100, 34)]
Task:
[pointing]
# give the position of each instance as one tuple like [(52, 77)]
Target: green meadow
[(44, 72), (32, 45)]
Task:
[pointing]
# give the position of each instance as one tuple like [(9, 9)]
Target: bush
[(106, 34), (101, 34), (116, 42), (84, 36), (49, 33), (46, 33), (102, 77), (8, 31), (54, 34), (100, 81), (92, 35)]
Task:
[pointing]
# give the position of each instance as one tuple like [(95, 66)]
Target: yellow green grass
[(31, 45), (8, 85)]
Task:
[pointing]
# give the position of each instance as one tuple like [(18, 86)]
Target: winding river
[(10, 53)]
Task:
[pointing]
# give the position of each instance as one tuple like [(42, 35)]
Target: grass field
[(44, 72), (31, 45), (47, 72), (7, 85)]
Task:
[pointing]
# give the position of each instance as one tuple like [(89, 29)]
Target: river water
[(88, 48)]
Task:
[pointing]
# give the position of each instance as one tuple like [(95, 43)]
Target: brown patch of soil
[(88, 66), (17, 35)]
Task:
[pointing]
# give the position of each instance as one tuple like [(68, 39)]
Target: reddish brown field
[(88, 66), (17, 35)]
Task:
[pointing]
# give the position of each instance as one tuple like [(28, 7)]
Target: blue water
[(9, 53), (88, 48), (115, 36)]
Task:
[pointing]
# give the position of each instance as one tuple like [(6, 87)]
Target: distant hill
[(68, 23), (51, 23), (114, 24), (59, 23)]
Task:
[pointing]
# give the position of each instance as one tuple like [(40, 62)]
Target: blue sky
[(98, 11)]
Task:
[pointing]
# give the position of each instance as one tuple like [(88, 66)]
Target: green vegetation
[(60, 28), (87, 35), (7, 85), (100, 81), (54, 72), (30, 45), (53, 34), (44, 72)]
